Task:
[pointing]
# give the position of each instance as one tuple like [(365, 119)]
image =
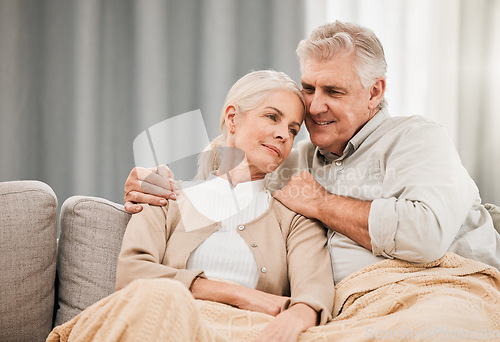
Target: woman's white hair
[(246, 94), (331, 40)]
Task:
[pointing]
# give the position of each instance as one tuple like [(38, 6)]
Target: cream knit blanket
[(451, 299)]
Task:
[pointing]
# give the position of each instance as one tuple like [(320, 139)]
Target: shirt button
[(253, 245), (263, 270), (241, 227), (338, 163)]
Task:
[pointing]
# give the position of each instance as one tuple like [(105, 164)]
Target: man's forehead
[(324, 79), (336, 72)]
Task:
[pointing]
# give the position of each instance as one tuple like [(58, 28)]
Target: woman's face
[(266, 133)]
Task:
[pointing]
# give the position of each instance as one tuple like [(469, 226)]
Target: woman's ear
[(377, 91), (230, 121)]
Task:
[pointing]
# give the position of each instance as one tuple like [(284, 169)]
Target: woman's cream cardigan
[(289, 250)]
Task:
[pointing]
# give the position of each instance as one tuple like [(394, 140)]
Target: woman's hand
[(288, 325), (238, 296), (255, 300), (151, 186)]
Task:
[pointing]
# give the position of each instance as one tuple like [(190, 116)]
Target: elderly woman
[(225, 247)]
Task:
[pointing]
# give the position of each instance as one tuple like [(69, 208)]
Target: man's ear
[(377, 91), (230, 114)]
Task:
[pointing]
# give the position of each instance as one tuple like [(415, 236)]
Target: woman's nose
[(281, 132)]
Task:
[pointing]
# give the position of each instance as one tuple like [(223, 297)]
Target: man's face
[(337, 104)]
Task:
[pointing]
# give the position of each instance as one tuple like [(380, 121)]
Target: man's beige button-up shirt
[(424, 202)]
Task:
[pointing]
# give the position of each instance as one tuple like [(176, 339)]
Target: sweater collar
[(220, 183), (194, 220)]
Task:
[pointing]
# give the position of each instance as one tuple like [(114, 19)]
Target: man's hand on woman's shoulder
[(152, 186)]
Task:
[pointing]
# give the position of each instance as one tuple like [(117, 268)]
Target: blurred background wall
[(80, 79)]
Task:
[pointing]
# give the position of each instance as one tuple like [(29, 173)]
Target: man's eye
[(334, 92), (308, 90), (293, 131)]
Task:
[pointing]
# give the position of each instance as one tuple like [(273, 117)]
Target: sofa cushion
[(28, 247), (90, 241)]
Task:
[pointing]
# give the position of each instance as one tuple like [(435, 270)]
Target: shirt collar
[(369, 128), (357, 139)]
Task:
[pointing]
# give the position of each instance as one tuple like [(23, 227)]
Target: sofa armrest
[(28, 246), (90, 240)]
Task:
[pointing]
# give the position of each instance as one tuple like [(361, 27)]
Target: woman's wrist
[(289, 324), (301, 316), (213, 290)]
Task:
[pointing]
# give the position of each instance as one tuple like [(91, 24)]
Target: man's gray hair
[(331, 40)]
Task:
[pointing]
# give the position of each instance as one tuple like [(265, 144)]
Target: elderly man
[(387, 187)]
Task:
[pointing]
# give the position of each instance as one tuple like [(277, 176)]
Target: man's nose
[(317, 105)]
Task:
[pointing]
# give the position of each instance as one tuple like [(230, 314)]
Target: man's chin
[(319, 141)]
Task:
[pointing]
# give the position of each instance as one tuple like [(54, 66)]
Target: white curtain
[(80, 79), (443, 63)]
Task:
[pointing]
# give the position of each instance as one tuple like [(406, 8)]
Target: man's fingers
[(165, 172), (139, 197), (155, 190), (132, 207), (278, 194), (281, 197), (147, 186), (157, 182), (153, 178)]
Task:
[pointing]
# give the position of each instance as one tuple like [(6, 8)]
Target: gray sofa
[(32, 297)]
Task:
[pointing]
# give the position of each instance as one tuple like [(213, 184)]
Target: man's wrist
[(323, 207)]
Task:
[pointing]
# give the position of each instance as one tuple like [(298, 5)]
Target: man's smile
[(321, 122)]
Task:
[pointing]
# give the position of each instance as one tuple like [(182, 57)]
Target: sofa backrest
[(91, 232), (28, 247)]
